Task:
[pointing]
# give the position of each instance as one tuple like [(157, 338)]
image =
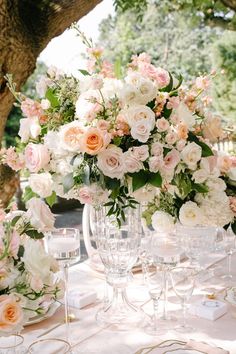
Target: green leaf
[(117, 68), (139, 179), (50, 95), (84, 72), (169, 87), (34, 234), (233, 226), (28, 194), (166, 112), (21, 251), (15, 219), (155, 179), (112, 183), (200, 188), (51, 199), (117, 140), (206, 150)]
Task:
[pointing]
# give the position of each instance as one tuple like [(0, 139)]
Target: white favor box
[(80, 299), (209, 309)]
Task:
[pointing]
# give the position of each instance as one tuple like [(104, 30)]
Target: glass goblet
[(183, 282), (49, 346), (10, 344), (64, 245), (154, 280)]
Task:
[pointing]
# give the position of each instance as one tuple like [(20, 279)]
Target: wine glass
[(229, 245), (166, 251), (49, 345), (11, 343), (183, 281), (64, 245), (154, 279)]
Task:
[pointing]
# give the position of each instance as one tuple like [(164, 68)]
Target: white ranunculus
[(132, 164), (41, 183), (137, 113), (37, 262), (111, 162), (40, 215), (141, 130), (190, 214), (191, 154), (162, 221), (185, 115), (70, 136), (29, 128)]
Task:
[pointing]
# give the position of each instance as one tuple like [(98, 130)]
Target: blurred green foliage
[(12, 127)]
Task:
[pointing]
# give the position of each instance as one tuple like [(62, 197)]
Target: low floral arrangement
[(27, 273), (122, 136)]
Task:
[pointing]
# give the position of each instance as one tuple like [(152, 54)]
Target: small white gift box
[(209, 309)]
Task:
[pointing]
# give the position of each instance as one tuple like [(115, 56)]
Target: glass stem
[(144, 272), (165, 287), (184, 312), (229, 259), (106, 292), (66, 273), (155, 308)]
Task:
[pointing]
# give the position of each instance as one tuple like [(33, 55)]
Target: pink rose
[(36, 157), (155, 163), (14, 244), (103, 124), (224, 163), (111, 162), (140, 152), (162, 124), (39, 215), (157, 149), (85, 195), (11, 314), (162, 77), (132, 164), (171, 159), (171, 138)]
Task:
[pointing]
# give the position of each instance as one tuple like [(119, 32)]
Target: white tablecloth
[(89, 338)]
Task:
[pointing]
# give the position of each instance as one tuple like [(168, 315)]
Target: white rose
[(146, 88), (140, 152), (155, 163), (139, 113), (37, 262), (162, 221), (200, 176), (85, 103), (185, 115), (141, 130), (145, 194), (129, 95), (70, 136), (40, 215), (29, 128), (111, 162), (216, 185), (191, 154), (41, 183), (162, 125), (232, 173), (111, 88), (190, 214), (132, 164)]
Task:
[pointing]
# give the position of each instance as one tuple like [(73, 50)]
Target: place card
[(80, 299), (209, 309)]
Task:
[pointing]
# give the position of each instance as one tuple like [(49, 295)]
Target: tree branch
[(218, 21), (231, 4)]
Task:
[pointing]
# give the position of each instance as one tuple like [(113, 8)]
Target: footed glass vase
[(118, 247)]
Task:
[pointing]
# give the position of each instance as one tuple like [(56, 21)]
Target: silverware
[(71, 318)]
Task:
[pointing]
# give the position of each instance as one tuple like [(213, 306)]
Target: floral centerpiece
[(27, 272), (120, 136)]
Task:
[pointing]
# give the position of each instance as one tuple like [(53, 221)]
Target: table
[(89, 338)]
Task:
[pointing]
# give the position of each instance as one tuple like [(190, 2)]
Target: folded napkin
[(206, 348)]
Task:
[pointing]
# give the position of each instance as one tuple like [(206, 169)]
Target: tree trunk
[(26, 27)]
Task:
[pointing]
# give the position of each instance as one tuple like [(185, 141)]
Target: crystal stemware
[(183, 281), (118, 247), (11, 343), (49, 345), (64, 245), (166, 252), (229, 245)]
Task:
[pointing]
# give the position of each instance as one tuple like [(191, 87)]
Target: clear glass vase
[(118, 247)]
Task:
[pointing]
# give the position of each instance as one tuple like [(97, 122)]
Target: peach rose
[(70, 135), (182, 131), (224, 163), (11, 314), (94, 141), (36, 157), (212, 129)]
